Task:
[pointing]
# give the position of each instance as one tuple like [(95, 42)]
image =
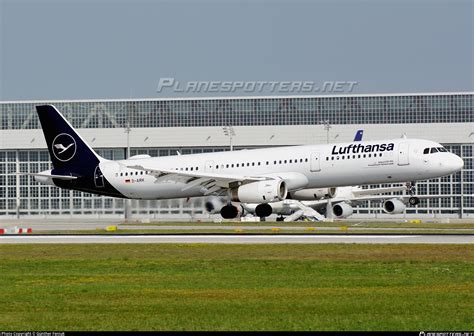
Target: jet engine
[(263, 210), (260, 192), (230, 211), (342, 210), (393, 206), (313, 194)]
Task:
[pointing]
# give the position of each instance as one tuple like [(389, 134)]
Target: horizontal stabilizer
[(59, 177)]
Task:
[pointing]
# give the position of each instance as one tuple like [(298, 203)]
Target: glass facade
[(34, 199), (405, 109)]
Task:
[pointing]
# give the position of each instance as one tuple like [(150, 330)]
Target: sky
[(69, 49)]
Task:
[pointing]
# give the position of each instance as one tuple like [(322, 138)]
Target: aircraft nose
[(454, 164), (459, 163)]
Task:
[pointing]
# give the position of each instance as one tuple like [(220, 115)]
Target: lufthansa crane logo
[(64, 147)]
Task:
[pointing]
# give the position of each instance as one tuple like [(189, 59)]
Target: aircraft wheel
[(280, 219), (263, 210), (414, 200)]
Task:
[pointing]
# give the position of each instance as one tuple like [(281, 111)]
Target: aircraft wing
[(212, 182)]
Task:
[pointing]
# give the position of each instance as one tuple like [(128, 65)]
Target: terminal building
[(161, 127)]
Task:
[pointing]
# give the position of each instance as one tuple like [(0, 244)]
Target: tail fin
[(358, 136), (68, 151)]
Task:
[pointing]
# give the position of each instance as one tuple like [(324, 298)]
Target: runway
[(237, 239), (44, 227)]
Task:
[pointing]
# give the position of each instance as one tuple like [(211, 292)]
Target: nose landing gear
[(411, 190), (411, 186), (414, 200)]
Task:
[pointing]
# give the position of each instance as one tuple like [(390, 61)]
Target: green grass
[(236, 287), (265, 230)]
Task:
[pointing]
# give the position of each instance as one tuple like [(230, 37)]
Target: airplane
[(334, 202), (260, 176)]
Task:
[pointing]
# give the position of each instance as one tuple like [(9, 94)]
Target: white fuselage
[(316, 166)]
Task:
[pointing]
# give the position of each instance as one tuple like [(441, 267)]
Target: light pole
[(229, 131), (127, 202), (327, 127)]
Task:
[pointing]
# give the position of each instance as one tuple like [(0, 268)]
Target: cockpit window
[(442, 149), (426, 151), (434, 150)]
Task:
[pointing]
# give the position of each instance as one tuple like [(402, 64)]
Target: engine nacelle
[(393, 206), (263, 210), (313, 194), (260, 192), (231, 211), (342, 210), (213, 204)]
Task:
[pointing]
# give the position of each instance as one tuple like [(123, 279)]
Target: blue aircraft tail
[(358, 136), (69, 153)]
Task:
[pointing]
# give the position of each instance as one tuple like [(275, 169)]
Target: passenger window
[(268, 163), (305, 160), (121, 174), (284, 161), (291, 161), (426, 151)]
